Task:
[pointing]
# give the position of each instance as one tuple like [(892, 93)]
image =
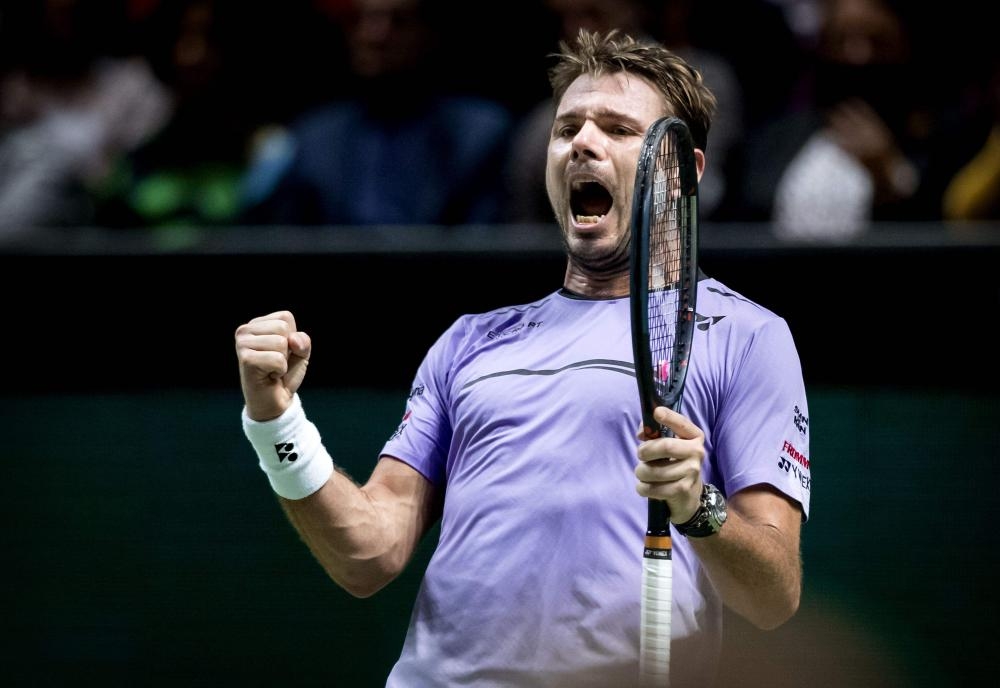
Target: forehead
[(621, 92)]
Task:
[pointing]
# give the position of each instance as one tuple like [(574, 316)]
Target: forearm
[(363, 537), (755, 564)]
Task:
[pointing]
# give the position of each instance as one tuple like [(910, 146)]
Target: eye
[(567, 131)]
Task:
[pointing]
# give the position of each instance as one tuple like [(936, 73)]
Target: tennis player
[(521, 434)]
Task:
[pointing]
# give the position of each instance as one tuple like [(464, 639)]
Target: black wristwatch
[(709, 517)]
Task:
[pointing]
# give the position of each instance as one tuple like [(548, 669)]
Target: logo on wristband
[(286, 450)]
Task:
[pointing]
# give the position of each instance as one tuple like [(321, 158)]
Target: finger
[(681, 490), (261, 327), (272, 364), (262, 342), (262, 355), (660, 471), (679, 424), (283, 316), (663, 449), (300, 344)]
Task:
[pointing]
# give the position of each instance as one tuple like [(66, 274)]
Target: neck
[(596, 286)]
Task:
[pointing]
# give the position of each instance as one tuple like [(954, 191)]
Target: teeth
[(588, 219)]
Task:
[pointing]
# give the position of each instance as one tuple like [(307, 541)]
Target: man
[(521, 434), (395, 147)]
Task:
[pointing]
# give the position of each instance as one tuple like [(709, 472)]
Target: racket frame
[(657, 573)]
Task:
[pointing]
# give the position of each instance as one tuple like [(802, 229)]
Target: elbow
[(361, 589), (365, 580), (779, 611), (776, 618)]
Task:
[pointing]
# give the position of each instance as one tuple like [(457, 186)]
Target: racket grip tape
[(657, 600)]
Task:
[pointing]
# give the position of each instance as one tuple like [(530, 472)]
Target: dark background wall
[(142, 545)]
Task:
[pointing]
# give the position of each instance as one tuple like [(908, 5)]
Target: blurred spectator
[(398, 147), (524, 172), (191, 172), (761, 46), (857, 150), (803, 18), (679, 23), (974, 191), (72, 102)]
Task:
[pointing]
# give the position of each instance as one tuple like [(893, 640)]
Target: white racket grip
[(654, 639)]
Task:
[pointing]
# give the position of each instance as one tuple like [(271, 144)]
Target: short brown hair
[(683, 89)]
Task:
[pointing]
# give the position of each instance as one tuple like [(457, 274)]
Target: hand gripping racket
[(664, 284)]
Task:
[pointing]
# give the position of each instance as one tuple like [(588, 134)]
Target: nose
[(589, 142)]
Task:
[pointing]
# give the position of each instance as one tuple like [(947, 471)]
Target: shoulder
[(472, 330), (749, 345), (494, 323), (722, 308), (714, 296)]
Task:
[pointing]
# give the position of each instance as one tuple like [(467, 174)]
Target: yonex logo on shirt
[(706, 321)]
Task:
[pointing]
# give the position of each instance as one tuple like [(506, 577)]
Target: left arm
[(754, 561)]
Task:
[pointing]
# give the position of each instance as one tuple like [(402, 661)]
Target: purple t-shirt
[(527, 418)]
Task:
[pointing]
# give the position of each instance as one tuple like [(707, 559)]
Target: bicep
[(411, 500), (765, 505)]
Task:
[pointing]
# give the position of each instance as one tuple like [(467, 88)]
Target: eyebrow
[(601, 114)]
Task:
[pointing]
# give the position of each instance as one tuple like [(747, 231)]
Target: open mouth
[(589, 202)]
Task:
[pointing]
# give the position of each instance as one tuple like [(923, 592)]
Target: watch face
[(716, 505), (710, 516)]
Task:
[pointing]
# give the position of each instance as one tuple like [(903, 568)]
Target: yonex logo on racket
[(286, 451)]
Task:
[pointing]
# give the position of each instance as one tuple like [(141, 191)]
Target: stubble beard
[(599, 263)]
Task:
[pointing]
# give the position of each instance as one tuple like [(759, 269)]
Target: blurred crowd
[(833, 114)]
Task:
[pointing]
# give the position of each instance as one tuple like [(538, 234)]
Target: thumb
[(300, 345), (299, 351)]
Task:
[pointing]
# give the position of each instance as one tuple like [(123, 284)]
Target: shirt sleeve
[(423, 436), (762, 434)]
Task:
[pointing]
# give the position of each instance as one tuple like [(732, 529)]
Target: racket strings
[(665, 247)]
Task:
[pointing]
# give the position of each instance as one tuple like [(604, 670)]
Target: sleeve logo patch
[(801, 421), (795, 462)]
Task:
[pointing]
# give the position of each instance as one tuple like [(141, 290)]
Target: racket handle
[(657, 600), (659, 511), (659, 518)]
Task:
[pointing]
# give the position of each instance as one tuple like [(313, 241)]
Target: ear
[(699, 161)]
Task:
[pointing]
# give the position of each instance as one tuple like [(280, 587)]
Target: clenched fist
[(273, 356)]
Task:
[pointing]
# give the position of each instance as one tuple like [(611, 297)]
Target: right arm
[(363, 536)]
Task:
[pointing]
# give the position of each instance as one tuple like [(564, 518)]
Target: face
[(386, 36), (596, 138), (862, 32)]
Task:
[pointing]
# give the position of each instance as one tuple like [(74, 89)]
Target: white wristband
[(291, 451)]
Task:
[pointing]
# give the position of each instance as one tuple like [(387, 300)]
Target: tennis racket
[(663, 287)]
